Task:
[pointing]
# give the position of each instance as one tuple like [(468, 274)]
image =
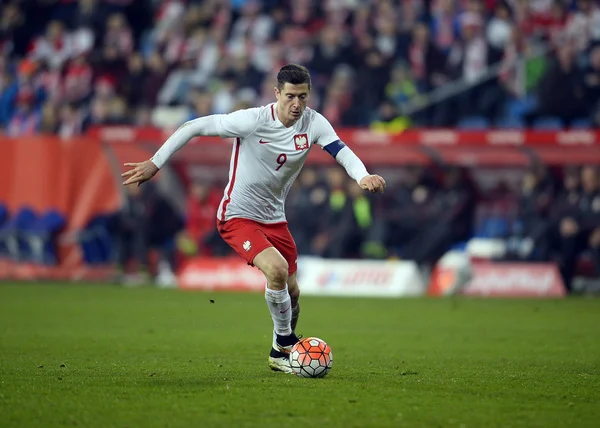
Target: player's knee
[(277, 273)]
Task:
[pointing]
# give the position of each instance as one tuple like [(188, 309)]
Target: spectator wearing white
[(499, 28), (583, 25), (55, 47)]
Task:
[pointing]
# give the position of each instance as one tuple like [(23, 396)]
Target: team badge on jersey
[(301, 141), (247, 245)]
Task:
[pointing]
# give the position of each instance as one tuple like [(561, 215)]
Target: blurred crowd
[(554, 215), (69, 64)]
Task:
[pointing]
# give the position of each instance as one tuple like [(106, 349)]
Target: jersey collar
[(274, 115)]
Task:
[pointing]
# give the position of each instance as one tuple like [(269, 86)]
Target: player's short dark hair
[(294, 74)]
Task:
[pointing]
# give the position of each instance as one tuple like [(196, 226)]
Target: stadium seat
[(474, 123), (96, 242), (582, 123), (3, 214), (12, 233), (493, 227), (510, 123), (41, 237), (548, 123), (459, 246), (520, 107)]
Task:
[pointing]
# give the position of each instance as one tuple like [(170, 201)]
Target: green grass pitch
[(102, 356)]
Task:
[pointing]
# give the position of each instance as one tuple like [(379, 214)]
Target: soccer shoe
[(279, 357), (279, 362)]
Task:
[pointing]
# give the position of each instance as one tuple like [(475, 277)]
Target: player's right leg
[(249, 240), (275, 268)]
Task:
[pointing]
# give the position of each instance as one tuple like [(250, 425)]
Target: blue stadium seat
[(474, 122), (12, 233), (459, 246), (41, 237), (548, 123), (521, 106), (510, 123), (582, 123), (96, 242), (493, 227), (3, 214)]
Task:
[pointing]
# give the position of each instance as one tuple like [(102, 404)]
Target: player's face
[(291, 102)]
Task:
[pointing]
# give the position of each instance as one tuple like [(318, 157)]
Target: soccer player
[(270, 148)]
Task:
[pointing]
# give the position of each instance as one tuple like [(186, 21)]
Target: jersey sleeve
[(241, 123), (323, 131)]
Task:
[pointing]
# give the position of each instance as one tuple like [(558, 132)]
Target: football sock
[(295, 315), (279, 304)]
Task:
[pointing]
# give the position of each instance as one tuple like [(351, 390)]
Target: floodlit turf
[(101, 356)]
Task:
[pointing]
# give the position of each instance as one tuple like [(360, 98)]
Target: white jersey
[(266, 159)]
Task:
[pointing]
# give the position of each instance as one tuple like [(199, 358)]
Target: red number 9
[(281, 159)]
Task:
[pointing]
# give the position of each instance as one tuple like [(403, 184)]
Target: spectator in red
[(202, 205), (78, 80)]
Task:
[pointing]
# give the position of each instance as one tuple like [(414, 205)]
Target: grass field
[(94, 356)]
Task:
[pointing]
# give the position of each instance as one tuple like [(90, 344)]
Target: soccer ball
[(311, 357)]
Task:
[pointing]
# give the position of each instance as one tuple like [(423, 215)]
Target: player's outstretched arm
[(331, 143), (240, 123), (354, 167), (144, 171)]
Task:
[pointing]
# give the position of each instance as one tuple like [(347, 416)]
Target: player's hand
[(140, 172), (373, 183)]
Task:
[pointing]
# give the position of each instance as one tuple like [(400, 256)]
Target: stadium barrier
[(496, 279), (73, 177), (219, 274), (317, 276), (496, 147)]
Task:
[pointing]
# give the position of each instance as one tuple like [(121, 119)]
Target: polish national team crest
[(301, 141), (247, 246)]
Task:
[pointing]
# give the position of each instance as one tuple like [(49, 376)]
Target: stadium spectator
[(347, 221), (146, 221), (561, 88), (307, 196), (448, 217), (15, 34), (224, 49), (404, 213), (198, 235), (580, 231), (531, 234), (27, 119), (591, 78)]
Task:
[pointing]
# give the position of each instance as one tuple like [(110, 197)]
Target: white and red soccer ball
[(311, 357)]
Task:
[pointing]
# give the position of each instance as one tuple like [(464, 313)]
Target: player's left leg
[(280, 236), (294, 291)]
